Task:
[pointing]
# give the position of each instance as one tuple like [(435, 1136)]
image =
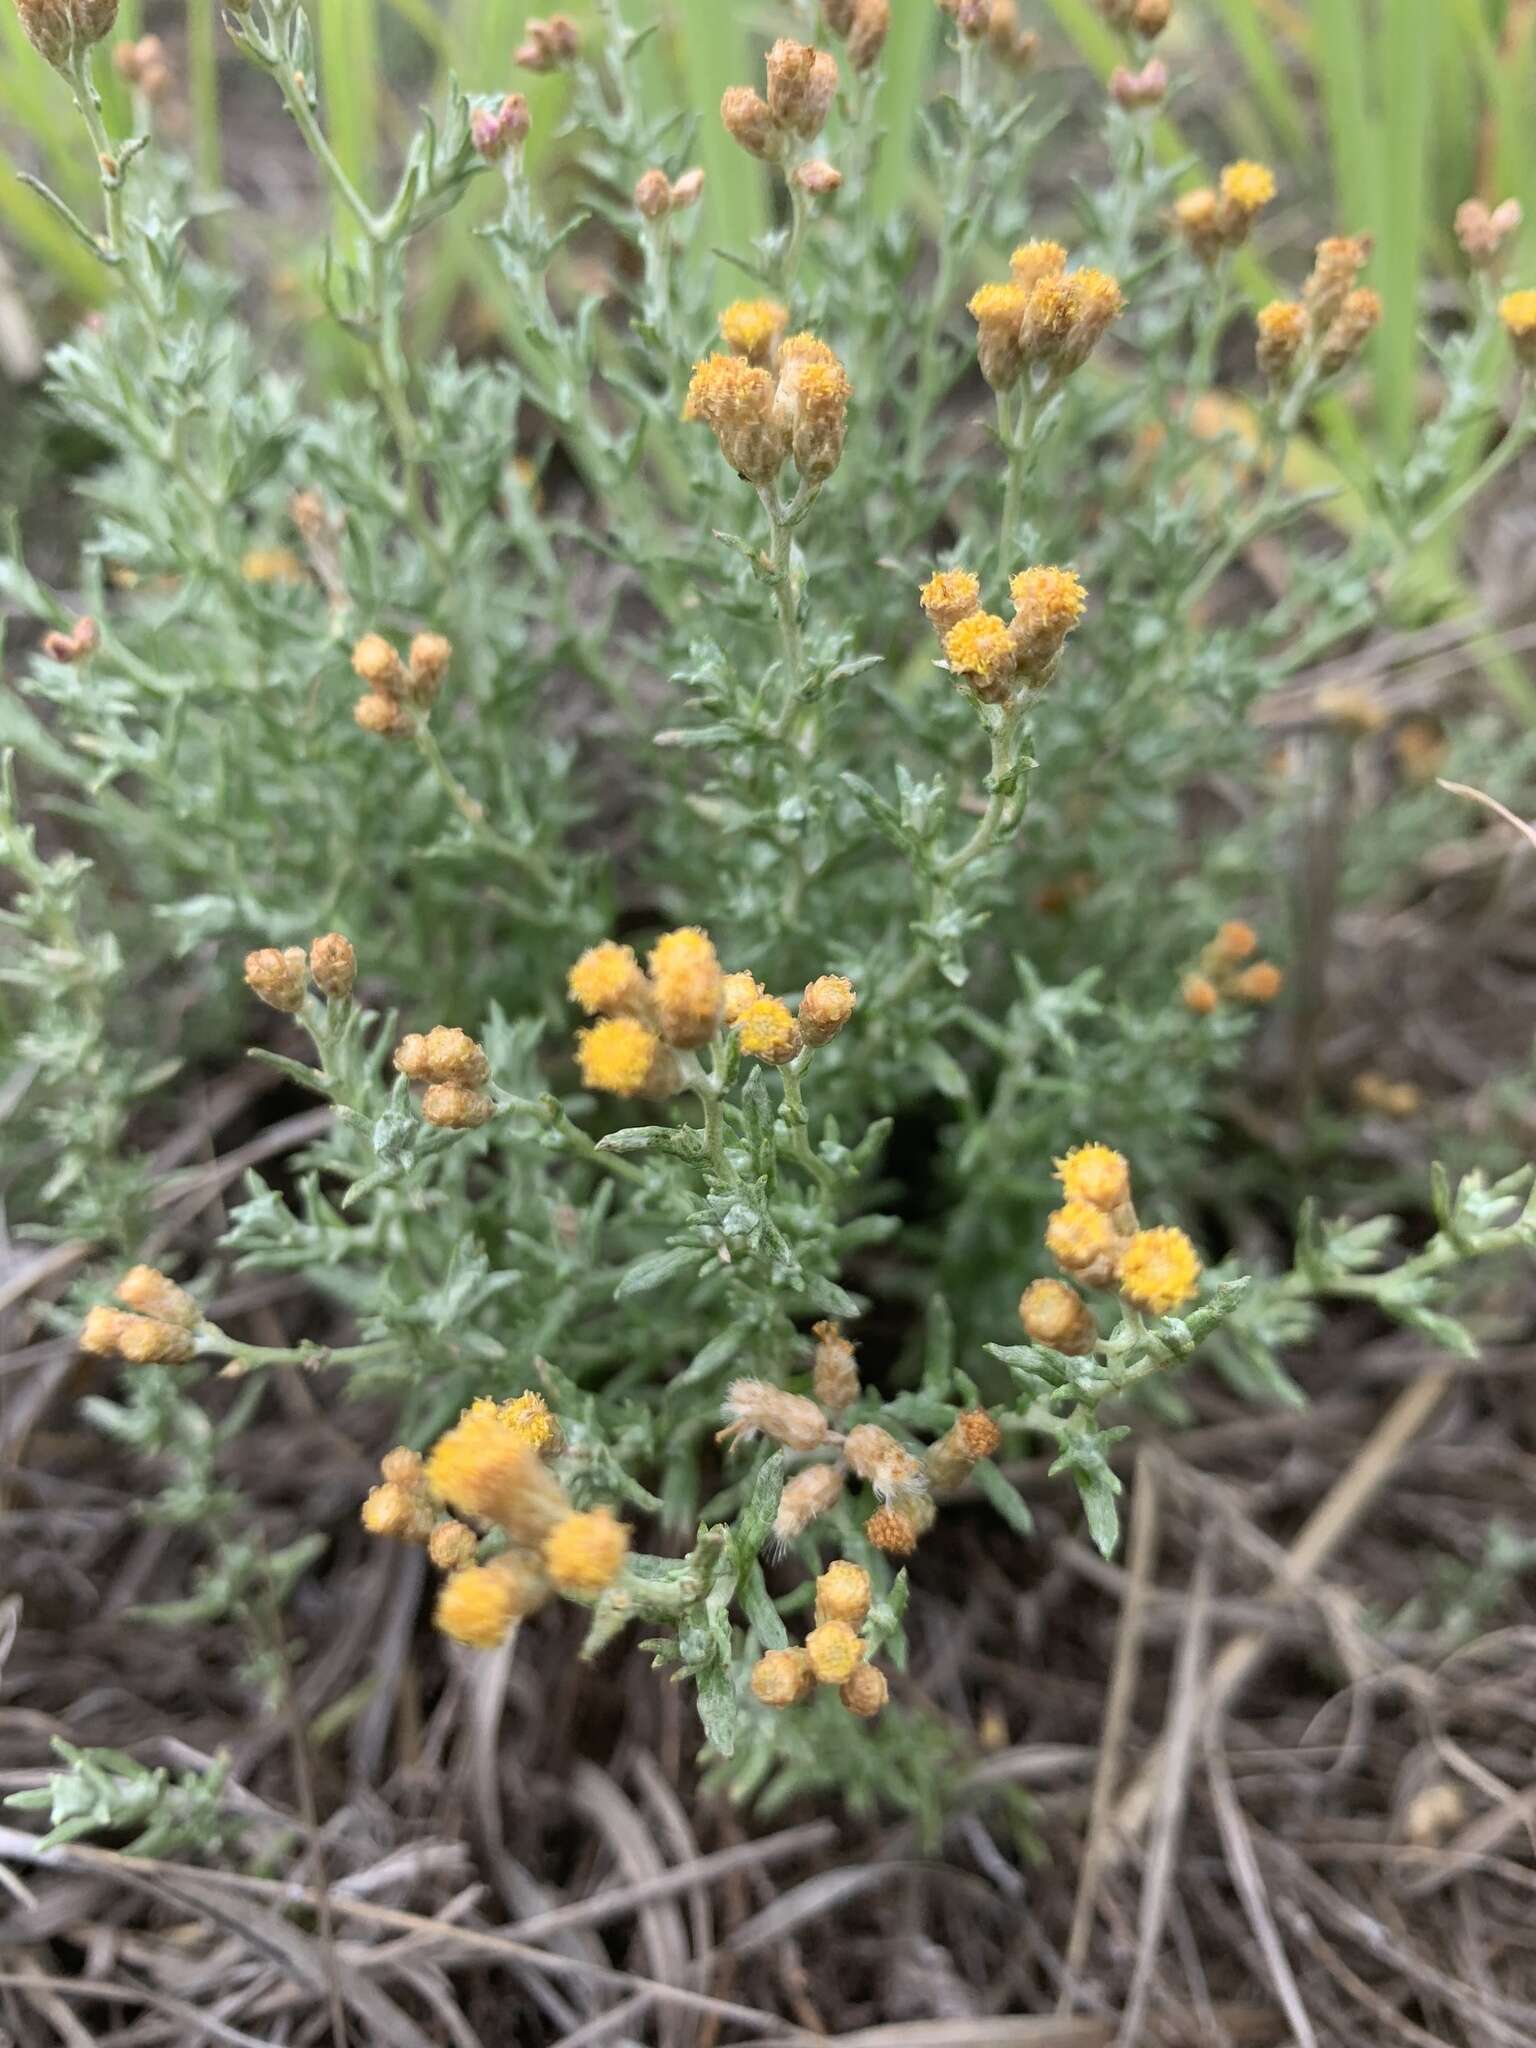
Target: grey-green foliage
[(104, 1792), (670, 701)]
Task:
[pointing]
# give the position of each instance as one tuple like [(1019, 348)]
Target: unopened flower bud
[(783, 1678), (864, 1692), (757, 1407), (333, 966), (807, 1496), (835, 1372), (818, 177), (496, 130), (452, 1108), (379, 665), (749, 122), (1356, 319), (1150, 17), (688, 190), (141, 1340), (1199, 994), (452, 1546), (866, 36), (547, 45), (394, 1511), (1055, 1315), (147, 1290), (403, 1467), (873, 1454), (1482, 231), (835, 1652), (972, 1436), (430, 656), (57, 28), (893, 1530), (686, 983), (825, 1008), (653, 194), (1147, 87), (802, 84), (1337, 263), (842, 1594), (277, 975)]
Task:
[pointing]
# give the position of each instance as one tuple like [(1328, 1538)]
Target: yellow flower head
[(1081, 1239), (980, 649), (842, 1594), (585, 1553), (527, 1418), (1047, 605), (686, 985), (488, 1465), (607, 980), (1159, 1270), (1065, 318), (1095, 1174), (1247, 186), (1282, 326), (1517, 310), (893, 1530), (738, 992), (728, 391), (998, 310), (1235, 940), (479, 1604), (820, 418), (798, 353), (620, 1056), (835, 1652), (750, 327), (1033, 260), (768, 1032), (949, 596)]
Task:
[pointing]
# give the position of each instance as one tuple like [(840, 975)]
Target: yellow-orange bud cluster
[(1045, 317), (396, 687), (455, 1068), (1212, 221), (1096, 1239), (761, 415), (835, 1652), (1227, 972), (989, 656)]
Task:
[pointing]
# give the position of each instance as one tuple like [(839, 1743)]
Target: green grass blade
[(1254, 41), (1406, 51), (909, 58), (713, 53), (347, 43), (1342, 62), (203, 93)]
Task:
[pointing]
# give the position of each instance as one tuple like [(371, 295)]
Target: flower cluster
[(863, 25), (1228, 972), (279, 975), (679, 1003), (1096, 1240), (657, 195), (1045, 319), (996, 22), (394, 687), (802, 84), (902, 1482), (548, 45), (155, 1326), (834, 1653), (454, 1069), (991, 657), (773, 400), (493, 1469), (1331, 322), (1214, 219)]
